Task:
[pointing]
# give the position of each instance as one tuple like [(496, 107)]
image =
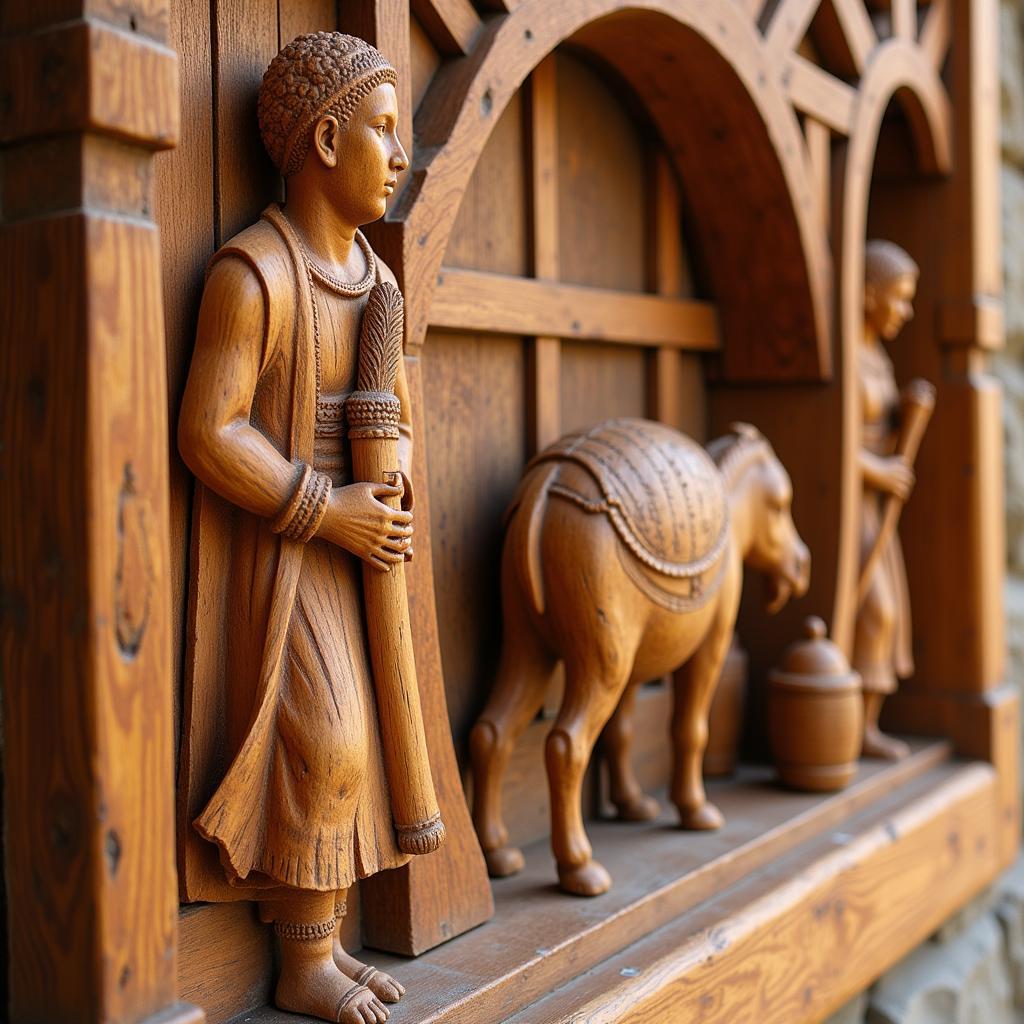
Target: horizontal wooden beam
[(468, 300), (826, 98)]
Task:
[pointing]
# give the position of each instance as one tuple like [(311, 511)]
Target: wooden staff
[(373, 414), (918, 401)]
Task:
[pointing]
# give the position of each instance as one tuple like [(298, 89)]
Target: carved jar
[(815, 713)]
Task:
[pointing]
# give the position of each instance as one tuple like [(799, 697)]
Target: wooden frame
[(85, 409)]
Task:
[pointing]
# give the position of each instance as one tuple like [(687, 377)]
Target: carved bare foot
[(589, 879), (878, 744), (701, 819), (380, 983), (639, 807), (317, 988), (504, 861)]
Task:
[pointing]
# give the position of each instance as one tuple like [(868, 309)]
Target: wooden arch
[(896, 69), (739, 133)]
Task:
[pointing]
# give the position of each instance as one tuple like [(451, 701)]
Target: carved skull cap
[(314, 75), (885, 262)]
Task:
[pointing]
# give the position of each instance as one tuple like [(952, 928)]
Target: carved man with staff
[(304, 764), (893, 426)]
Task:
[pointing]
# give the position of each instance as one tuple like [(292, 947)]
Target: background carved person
[(882, 639), (289, 794)]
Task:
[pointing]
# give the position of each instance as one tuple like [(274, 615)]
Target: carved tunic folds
[(303, 800), (882, 641)]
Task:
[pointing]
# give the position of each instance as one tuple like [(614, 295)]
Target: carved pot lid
[(814, 663)]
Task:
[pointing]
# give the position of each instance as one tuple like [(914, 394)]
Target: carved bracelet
[(305, 932), (305, 509)]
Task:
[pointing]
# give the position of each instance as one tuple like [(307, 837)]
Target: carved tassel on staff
[(373, 413)]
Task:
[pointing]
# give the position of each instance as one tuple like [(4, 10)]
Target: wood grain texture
[(184, 213), (471, 301), (539, 939), (88, 761), (453, 25), (795, 943)]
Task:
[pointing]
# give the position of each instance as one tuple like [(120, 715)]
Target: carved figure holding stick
[(304, 763), (892, 432)]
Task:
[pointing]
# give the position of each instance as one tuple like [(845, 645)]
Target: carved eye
[(381, 129)]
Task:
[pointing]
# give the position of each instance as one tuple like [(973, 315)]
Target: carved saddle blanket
[(660, 490)]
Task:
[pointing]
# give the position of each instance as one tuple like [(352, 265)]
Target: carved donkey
[(624, 558)]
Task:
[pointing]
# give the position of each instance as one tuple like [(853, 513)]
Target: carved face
[(777, 549), (364, 158), (888, 306)]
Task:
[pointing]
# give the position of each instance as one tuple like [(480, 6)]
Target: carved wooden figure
[(892, 430), (317, 774), (624, 558)]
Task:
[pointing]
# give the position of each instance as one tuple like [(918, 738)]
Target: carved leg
[(589, 702), (381, 984), (523, 677), (876, 742), (694, 686), (629, 799), (310, 982)]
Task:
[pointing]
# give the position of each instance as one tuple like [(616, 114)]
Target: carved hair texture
[(885, 262), (314, 75)]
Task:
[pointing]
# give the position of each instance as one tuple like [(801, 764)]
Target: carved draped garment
[(882, 639), (282, 779)]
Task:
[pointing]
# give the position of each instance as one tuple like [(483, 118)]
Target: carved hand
[(358, 521), (893, 476)]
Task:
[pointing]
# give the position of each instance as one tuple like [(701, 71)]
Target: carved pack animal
[(623, 558)]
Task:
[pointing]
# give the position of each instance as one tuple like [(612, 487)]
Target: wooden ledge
[(852, 879)]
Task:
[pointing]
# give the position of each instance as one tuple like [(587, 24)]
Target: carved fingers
[(368, 527)]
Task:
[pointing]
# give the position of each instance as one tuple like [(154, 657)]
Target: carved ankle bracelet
[(304, 932)]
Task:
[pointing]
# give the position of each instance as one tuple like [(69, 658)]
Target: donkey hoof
[(701, 819), (588, 879), (504, 861), (637, 808)]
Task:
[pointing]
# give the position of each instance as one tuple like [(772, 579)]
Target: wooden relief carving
[(892, 428), (296, 422), (623, 558)]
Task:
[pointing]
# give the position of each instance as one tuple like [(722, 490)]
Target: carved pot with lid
[(815, 713)]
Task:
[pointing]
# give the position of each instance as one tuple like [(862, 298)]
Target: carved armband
[(305, 509)]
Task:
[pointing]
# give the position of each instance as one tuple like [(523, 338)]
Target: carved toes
[(888, 748), (589, 879), (360, 1006), (381, 984), (504, 861)]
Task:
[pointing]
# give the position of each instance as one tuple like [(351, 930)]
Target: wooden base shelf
[(855, 878)]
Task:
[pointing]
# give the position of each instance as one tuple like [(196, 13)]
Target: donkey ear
[(745, 430)]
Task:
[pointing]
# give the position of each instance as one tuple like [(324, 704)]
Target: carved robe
[(282, 779), (882, 639)]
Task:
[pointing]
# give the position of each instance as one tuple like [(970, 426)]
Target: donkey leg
[(695, 684), (629, 799), (590, 699), (524, 673)]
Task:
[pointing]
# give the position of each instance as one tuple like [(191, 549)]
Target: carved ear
[(326, 140)]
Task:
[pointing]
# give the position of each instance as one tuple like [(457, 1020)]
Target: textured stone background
[(972, 970)]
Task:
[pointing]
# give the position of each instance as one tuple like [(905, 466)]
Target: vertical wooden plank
[(85, 620), (297, 17), (544, 354), (244, 42), (904, 19), (668, 274), (184, 214), (437, 897)]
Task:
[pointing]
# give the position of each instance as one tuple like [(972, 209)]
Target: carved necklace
[(351, 290)]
